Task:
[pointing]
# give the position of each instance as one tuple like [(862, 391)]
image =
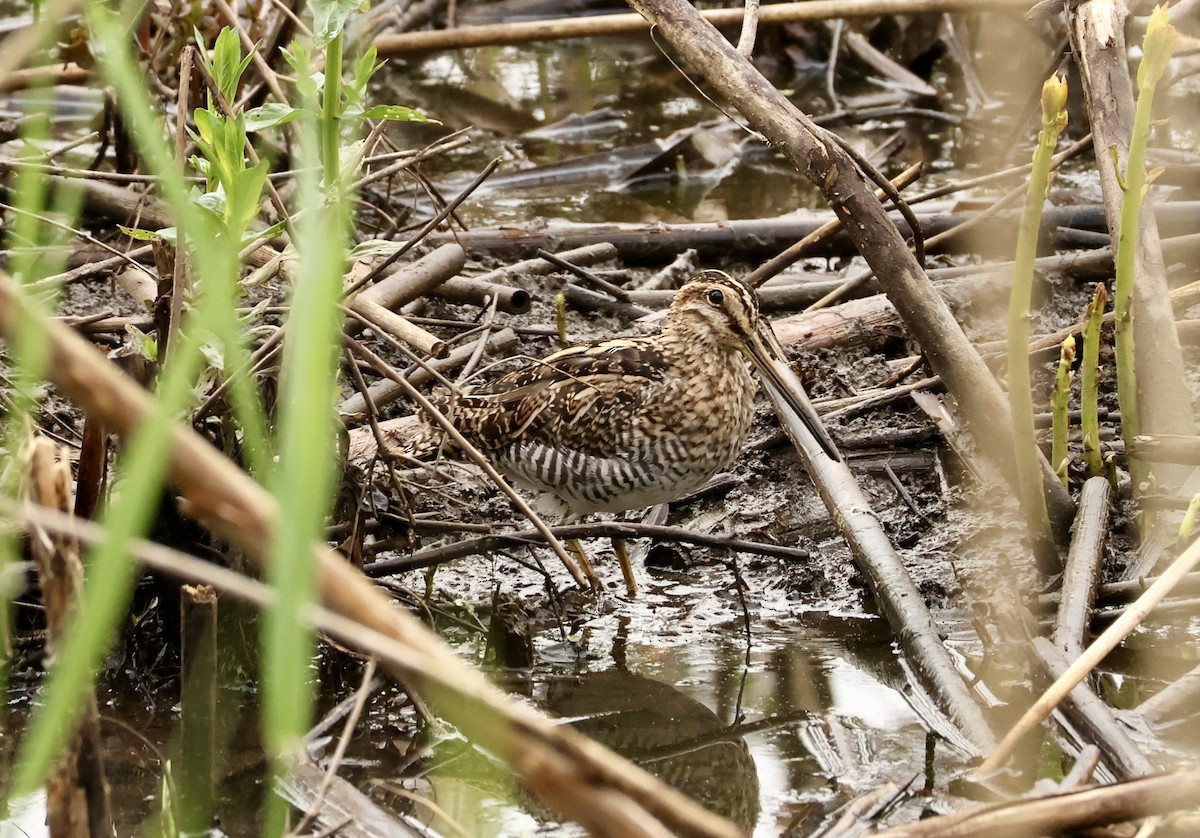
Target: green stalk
[(331, 114), (1060, 423), (1157, 48), (1089, 388), (1020, 391)]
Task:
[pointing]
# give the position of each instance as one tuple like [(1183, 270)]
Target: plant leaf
[(270, 115), (396, 113), (329, 17)]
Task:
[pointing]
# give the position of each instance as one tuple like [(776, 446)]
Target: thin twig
[(335, 761), (603, 529), (749, 29)]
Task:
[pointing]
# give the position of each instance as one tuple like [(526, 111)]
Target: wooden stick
[(405, 282), (587, 27), (1082, 569), (398, 326), (899, 600), (198, 716), (470, 290)]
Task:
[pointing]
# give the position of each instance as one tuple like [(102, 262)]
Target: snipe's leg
[(572, 544), (626, 566), (589, 572)]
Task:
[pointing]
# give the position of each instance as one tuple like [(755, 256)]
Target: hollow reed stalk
[(1089, 386), (1060, 423), (1157, 48), (1020, 388)]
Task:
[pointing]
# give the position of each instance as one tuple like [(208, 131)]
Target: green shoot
[(1188, 524), (1020, 392), (1060, 422), (1157, 49)]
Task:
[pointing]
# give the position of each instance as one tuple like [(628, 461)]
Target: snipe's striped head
[(715, 307)]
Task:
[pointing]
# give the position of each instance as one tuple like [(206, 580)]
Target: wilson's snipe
[(628, 423)]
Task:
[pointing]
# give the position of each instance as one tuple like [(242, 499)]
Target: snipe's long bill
[(764, 351)]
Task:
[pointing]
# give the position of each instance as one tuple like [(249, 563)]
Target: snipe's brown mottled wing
[(570, 398)]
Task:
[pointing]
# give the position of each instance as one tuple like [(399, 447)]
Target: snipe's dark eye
[(716, 296)]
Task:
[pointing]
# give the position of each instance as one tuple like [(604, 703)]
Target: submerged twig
[(1062, 812), (1093, 718), (602, 529)]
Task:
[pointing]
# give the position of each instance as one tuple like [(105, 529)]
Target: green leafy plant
[(235, 187), (339, 105)]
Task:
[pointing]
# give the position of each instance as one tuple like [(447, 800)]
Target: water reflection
[(775, 728), (534, 106), (811, 715), (671, 735), (26, 817)]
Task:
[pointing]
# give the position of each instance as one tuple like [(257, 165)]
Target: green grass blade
[(303, 482)]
